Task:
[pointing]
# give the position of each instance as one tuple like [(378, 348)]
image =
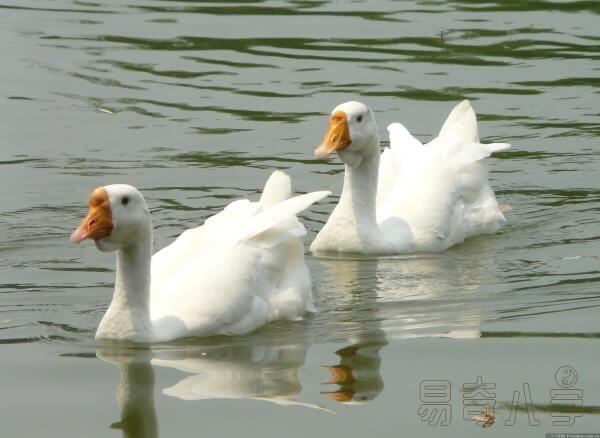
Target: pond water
[(195, 103)]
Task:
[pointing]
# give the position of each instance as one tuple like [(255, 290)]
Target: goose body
[(411, 197), (240, 270)]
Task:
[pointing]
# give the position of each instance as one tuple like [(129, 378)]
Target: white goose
[(243, 268), (414, 197)]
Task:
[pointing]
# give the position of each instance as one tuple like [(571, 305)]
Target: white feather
[(240, 270), (428, 198)]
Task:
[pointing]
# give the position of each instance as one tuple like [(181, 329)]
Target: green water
[(195, 103)]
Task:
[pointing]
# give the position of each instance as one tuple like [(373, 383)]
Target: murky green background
[(195, 103)]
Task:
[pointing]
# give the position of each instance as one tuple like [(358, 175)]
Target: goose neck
[(360, 191), (128, 316)]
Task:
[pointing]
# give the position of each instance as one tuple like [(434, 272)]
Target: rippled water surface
[(195, 103)]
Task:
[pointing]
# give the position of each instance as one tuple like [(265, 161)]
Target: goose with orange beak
[(240, 270), (98, 222), (412, 197)]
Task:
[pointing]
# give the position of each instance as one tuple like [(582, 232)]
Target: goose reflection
[(252, 368), (356, 378), (252, 371), (357, 375), (135, 392), (427, 295), (432, 295)]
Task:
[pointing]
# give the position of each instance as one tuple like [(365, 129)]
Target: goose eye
[(359, 118), (125, 200)]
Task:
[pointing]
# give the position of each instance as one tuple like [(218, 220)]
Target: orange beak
[(337, 136), (342, 396), (98, 222), (340, 375)]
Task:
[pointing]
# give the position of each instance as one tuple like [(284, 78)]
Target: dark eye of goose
[(359, 118), (125, 200)]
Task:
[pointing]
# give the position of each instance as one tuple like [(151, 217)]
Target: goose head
[(117, 218), (352, 133)]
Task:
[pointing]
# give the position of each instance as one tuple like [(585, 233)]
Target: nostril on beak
[(92, 222)]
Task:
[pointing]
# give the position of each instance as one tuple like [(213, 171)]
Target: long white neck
[(128, 316), (352, 226), (359, 193)]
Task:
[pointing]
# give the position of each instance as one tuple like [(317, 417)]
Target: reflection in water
[(415, 303), (135, 392), (254, 370), (357, 375), (396, 297)]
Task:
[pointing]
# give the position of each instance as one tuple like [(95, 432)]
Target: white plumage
[(412, 197), (240, 270)]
